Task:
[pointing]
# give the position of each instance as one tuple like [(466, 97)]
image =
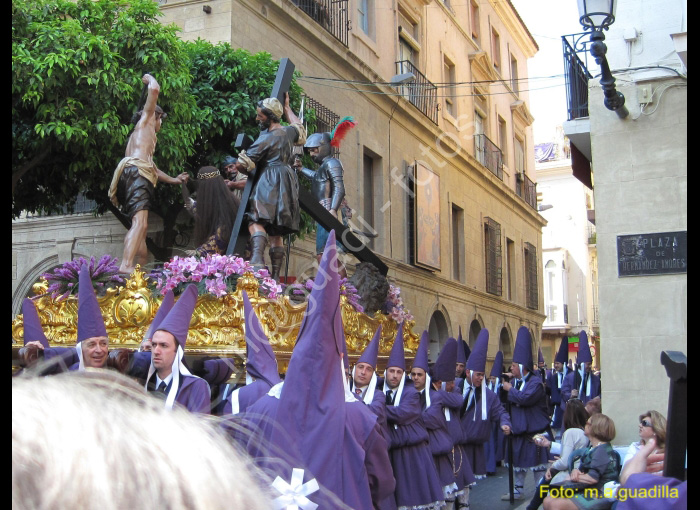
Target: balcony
[(421, 93), (592, 237), (526, 189), (576, 74), (332, 15), (489, 155)]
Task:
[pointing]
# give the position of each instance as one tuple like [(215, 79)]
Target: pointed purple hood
[(163, 310), (261, 361), (540, 357), (497, 368), (312, 400), (584, 350), (90, 322), (563, 352), (444, 368), (522, 353), (32, 325), (396, 356), (421, 359), (463, 351), (477, 358), (371, 352), (177, 322)]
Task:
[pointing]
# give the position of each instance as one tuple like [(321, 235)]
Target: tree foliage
[(76, 81)]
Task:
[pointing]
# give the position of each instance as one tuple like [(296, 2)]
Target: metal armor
[(327, 183), (323, 142)]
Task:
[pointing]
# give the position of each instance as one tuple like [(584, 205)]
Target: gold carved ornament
[(217, 327)]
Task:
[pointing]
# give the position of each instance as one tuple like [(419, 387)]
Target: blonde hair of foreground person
[(97, 440)]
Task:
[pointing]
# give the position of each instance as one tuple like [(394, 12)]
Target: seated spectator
[(599, 464), (638, 484), (574, 438), (95, 439)]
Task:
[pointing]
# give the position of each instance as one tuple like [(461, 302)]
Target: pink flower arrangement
[(395, 307), (213, 274)]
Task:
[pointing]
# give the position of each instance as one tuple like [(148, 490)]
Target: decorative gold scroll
[(217, 325)]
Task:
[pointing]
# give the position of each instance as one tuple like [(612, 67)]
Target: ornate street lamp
[(598, 15)]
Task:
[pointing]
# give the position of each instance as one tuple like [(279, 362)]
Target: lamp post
[(598, 15)]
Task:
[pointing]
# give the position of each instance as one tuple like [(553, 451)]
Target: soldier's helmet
[(322, 141)]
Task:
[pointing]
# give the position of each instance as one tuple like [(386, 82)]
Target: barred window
[(326, 120), (492, 240), (531, 296)]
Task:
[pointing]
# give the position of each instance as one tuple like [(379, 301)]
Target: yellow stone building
[(441, 168)]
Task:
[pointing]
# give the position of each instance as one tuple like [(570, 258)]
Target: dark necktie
[(389, 399), (358, 392), (465, 403), (162, 387), (422, 399), (519, 384), (583, 387)]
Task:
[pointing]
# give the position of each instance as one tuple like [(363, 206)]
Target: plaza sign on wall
[(652, 254)]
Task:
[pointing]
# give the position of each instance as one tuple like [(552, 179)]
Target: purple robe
[(440, 440), (364, 464), (528, 414), (378, 407), (464, 476), (660, 499), (417, 482), (569, 384), (477, 431), (247, 395), (193, 393), (555, 398)]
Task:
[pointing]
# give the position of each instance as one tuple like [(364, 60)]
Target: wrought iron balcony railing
[(421, 93), (332, 15), (489, 155), (592, 236), (526, 189), (576, 73)]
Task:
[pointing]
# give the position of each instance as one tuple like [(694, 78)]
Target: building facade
[(640, 170), (569, 260), (441, 168)]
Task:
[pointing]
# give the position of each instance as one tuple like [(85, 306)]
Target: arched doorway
[(504, 345), (437, 331), (474, 329)]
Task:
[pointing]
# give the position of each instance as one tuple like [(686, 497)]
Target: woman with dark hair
[(214, 211), (574, 437)]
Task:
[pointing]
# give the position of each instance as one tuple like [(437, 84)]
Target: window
[(531, 295), (450, 78), (479, 149), (503, 138), (519, 156), (550, 269), (514, 83), (408, 27), (496, 48), (363, 15), (492, 240), (410, 213), (510, 268), (458, 247), (474, 12)]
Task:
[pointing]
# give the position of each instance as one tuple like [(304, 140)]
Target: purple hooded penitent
[(312, 400), (371, 352), (563, 352), (90, 322), (163, 310), (186, 389), (396, 356), (32, 325), (477, 358), (463, 351), (444, 368), (540, 357), (421, 358), (261, 361), (584, 350), (522, 354), (497, 368)]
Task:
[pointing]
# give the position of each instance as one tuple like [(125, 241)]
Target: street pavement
[(486, 494)]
